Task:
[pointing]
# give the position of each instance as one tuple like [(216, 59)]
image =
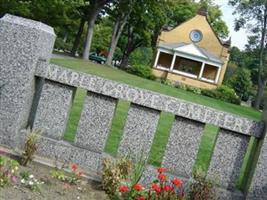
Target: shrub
[(142, 71), (30, 146), (223, 93), (113, 173), (201, 188), (61, 45), (241, 83), (188, 88)]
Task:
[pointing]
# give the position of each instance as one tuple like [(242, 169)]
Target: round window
[(195, 36)]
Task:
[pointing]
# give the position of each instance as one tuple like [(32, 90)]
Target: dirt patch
[(52, 189)]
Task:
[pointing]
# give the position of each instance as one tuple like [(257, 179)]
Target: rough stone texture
[(227, 158), (139, 131), (150, 99), (258, 187), (65, 152), (222, 194), (95, 122), (22, 43), (53, 109), (182, 147)]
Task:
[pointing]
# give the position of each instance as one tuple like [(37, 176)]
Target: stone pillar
[(227, 158), (182, 147), (258, 186), (139, 130), (23, 43)]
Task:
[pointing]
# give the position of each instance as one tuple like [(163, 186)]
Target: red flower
[(156, 188), (162, 177), (74, 167), (177, 182), (138, 187), (161, 170), (168, 188), (123, 188), (141, 198)]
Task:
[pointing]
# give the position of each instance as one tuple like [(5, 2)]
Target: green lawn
[(161, 138), (121, 76)]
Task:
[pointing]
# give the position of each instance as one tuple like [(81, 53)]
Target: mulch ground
[(52, 189)]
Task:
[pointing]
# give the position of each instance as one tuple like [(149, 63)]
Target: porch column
[(157, 58), (218, 74), (201, 70), (173, 61)]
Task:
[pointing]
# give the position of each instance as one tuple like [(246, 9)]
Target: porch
[(188, 61)]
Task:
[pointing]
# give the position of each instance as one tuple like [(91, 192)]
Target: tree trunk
[(78, 37), (119, 25), (118, 28), (261, 83), (259, 95), (89, 37)]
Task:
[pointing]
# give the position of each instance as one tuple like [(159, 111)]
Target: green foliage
[(60, 44), (72, 178), (223, 93), (230, 70), (30, 146), (29, 181), (8, 171), (141, 56), (101, 38), (201, 188), (188, 88), (142, 71), (241, 83)]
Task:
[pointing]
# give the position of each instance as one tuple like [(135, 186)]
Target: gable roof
[(191, 49), (200, 12)]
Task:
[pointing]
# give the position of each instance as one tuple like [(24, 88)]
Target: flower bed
[(38, 182)]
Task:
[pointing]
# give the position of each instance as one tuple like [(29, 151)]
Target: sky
[(239, 38)]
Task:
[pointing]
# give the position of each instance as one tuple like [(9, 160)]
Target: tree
[(139, 26), (256, 12), (241, 83), (94, 9), (20, 8), (120, 14)]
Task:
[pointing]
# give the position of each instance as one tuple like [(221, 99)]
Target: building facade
[(192, 54)]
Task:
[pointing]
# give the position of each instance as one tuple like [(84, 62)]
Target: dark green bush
[(223, 93), (241, 83), (61, 45), (142, 71)]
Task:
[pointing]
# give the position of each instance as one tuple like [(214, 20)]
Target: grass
[(165, 122)]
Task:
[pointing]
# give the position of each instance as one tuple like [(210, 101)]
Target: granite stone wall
[(22, 43), (25, 49)]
